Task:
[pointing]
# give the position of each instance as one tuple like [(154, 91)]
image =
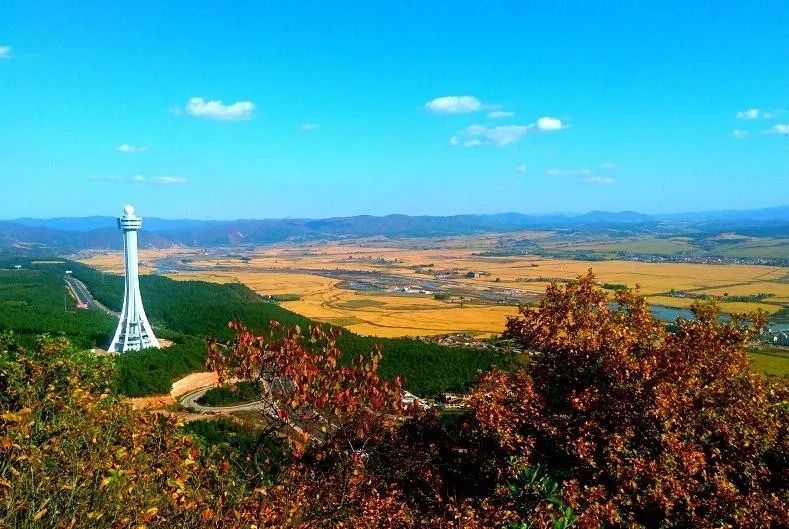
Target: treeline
[(427, 369), (231, 394), (34, 299), (747, 298), (153, 371), (198, 308)]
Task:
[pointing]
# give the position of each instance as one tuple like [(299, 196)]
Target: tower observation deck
[(133, 332)]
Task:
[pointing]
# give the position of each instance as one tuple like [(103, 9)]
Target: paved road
[(84, 296), (189, 401), (80, 291)]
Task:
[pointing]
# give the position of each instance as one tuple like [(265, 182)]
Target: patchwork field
[(436, 286), (376, 314)]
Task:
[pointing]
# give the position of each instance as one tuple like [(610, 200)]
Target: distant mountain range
[(73, 233)]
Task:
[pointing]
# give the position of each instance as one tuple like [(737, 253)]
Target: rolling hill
[(73, 233)]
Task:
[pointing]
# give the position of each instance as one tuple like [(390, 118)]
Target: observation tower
[(134, 332)]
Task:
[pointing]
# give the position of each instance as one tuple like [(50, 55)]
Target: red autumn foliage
[(645, 427), (360, 459), (337, 416), (304, 386)]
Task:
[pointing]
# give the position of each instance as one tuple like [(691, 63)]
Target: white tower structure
[(134, 332)]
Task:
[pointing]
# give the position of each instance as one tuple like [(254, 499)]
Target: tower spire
[(134, 332)]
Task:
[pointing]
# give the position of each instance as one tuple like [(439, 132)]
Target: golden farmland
[(328, 279)]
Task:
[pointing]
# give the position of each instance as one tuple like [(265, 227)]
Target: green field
[(647, 245), (608, 245), (758, 248), (361, 303), (771, 360)]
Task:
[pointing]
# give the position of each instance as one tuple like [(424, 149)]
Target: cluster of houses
[(445, 401), (409, 289), (776, 337)]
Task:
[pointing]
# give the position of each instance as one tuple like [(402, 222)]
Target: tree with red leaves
[(339, 419), (304, 387), (643, 427), (359, 458)]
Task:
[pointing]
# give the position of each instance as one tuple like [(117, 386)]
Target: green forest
[(34, 300)]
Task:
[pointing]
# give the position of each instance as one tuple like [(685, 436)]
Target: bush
[(646, 428), (73, 455)]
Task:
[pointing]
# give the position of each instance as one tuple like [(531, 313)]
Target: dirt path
[(204, 379)]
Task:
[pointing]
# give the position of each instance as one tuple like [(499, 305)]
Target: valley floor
[(438, 286)]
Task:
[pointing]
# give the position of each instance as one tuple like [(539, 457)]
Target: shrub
[(646, 428), (73, 455)]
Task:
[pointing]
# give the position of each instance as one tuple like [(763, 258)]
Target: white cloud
[(568, 172), (503, 135), (498, 136), (168, 180), (781, 128), (454, 105), (757, 113), (5, 52), (309, 126), (214, 109), (160, 180), (498, 114), (548, 123), (125, 147), (599, 180), (506, 134), (521, 168), (751, 113), (609, 165), (739, 133), (475, 130)]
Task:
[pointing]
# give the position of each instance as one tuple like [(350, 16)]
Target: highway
[(83, 295)]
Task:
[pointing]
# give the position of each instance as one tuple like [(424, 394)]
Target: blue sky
[(314, 109)]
